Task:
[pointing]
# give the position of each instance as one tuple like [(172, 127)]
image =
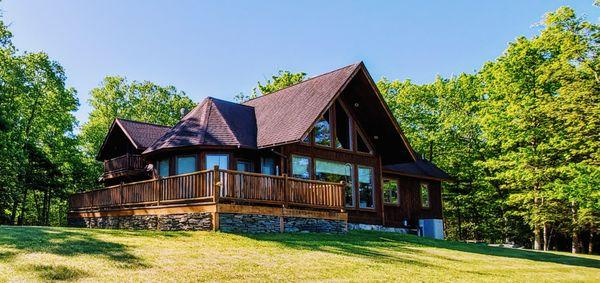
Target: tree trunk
[(591, 242), (13, 214), (546, 237), (575, 243), (459, 216), (537, 242), (23, 207)]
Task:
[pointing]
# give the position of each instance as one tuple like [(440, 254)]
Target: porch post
[(285, 190), (216, 184)]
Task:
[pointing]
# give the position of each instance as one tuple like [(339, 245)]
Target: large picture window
[(323, 131), (163, 167), (425, 202), (217, 159), (365, 187), (336, 172), (185, 164), (390, 192), (300, 167)]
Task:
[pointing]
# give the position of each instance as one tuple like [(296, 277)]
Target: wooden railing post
[(217, 184), (121, 194), (343, 195), (286, 187), (158, 189)]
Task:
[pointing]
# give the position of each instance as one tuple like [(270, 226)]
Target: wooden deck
[(213, 186)]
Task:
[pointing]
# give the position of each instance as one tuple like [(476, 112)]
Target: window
[(163, 167), (267, 166), (323, 131), (361, 144), (365, 187), (217, 159), (185, 164), (425, 195), (390, 191), (300, 167), (336, 172), (245, 166), (343, 129)]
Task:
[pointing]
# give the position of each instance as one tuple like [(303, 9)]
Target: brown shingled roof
[(213, 122), (143, 134), (140, 134), (285, 116)]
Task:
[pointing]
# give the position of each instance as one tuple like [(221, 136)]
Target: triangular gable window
[(336, 129), (361, 144)]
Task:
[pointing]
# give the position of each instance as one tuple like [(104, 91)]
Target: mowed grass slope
[(41, 254)]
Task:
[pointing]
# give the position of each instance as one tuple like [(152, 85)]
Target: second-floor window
[(323, 131)]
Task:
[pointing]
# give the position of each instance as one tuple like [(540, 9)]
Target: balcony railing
[(124, 163), (200, 187)]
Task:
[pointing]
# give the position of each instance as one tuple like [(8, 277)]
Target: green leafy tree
[(282, 80), (139, 101)]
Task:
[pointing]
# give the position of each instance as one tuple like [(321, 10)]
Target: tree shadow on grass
[(507, 252), (369, 244), (57, 272), (362, 245), (71, 242)]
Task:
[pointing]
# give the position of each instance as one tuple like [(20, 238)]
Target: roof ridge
[(180, 123), (227, 123), (311, 78), (140, 122), (227, 101)]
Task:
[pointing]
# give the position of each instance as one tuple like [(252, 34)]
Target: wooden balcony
[(214, 186), (123, 165)]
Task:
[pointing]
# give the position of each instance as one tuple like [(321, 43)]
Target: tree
[(139, 101), (282, 80)]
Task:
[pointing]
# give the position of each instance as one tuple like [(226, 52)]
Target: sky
[(221, 48)]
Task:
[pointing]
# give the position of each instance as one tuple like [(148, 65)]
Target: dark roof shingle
[(285, 115), (143, 134), (213, 122)]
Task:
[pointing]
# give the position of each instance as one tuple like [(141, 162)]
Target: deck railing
[(201, 186), (124, 163)]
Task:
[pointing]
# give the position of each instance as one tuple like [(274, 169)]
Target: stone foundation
[(356, 226), (249, 223), (170, 222), (256, 223), (298, 224)]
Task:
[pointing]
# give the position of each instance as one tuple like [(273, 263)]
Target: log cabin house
[(323, 155)]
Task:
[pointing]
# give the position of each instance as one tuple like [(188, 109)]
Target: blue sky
[(220, 48)]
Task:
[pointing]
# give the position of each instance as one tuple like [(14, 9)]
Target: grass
[(48, 254)]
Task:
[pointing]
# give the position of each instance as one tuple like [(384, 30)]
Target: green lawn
[(39, 254)]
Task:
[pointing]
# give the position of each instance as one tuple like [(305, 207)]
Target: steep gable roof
[(286, 115), (140, 134), (213, 122)]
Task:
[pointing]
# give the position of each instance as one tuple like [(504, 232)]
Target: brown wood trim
[(385, 171), (155, 210)]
